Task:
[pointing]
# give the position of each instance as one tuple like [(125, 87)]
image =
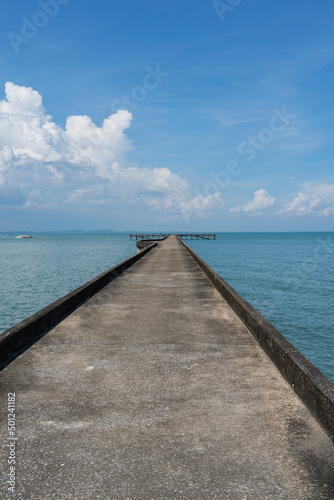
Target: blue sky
[(163, 115)]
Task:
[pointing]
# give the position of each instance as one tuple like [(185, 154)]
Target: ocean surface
[(35, 272), (288, 277)]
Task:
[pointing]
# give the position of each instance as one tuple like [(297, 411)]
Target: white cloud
[(261, 200), (317, 200), (202, 204), (42, 164), (299, 206)]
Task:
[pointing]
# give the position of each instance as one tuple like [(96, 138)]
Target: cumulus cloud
[(317, 199), (261, 200), (42, 164), (300, 205), (201, 205)]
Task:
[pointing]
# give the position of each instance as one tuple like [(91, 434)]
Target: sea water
[(288, 277), (35, 272)]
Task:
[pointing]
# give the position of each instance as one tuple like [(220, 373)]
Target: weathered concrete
[(21, 336), (315, 390), (155, 389), (142, 244)]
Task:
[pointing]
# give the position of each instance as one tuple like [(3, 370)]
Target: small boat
[(22, 236)]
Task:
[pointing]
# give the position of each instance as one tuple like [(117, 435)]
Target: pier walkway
[(154, 389)]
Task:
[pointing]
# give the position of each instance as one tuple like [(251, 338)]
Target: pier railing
[(182, 236), (196, 236), (147, 237), (313, 388), (21, 336)]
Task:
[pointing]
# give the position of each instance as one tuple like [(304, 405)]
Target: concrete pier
[(155, 389)]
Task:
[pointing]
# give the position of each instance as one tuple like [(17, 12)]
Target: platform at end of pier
[(149, 237), (196, 236)]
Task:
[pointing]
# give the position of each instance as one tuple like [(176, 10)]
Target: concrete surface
[(154, 389), (313, 388), (142, 244), (21, 336)]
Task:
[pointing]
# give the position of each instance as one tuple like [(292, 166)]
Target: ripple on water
[(288, 277)]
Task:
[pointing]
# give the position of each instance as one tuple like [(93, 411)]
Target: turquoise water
[(288, 277), (35, 272)]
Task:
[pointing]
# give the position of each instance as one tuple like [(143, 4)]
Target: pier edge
[(308, 382), (21, 336)]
